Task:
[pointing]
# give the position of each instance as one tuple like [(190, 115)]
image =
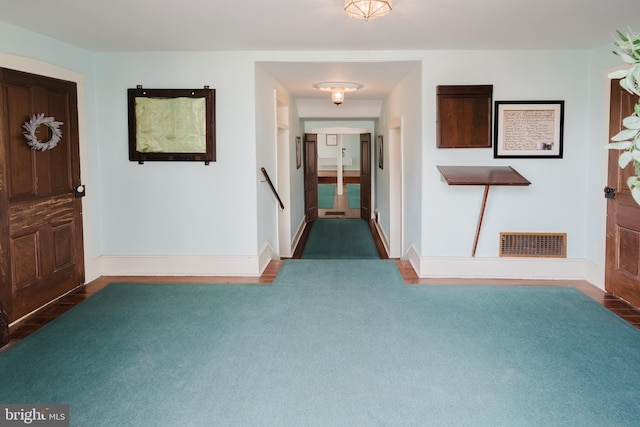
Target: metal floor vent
[(542, 245)]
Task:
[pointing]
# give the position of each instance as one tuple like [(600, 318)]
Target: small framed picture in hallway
[(380, 151)]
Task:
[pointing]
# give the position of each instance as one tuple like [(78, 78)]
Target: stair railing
[(275, 193)]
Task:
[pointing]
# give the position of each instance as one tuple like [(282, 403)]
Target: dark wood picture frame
[(528, 129), (380, 151), (463, 116), (180, 149), (298, 152)]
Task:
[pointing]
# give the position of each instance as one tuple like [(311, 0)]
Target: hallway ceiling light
[(337, 89), (367, 9)]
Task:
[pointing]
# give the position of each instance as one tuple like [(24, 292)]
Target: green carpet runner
[(340, 239)]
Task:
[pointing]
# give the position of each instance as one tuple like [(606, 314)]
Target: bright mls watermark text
[(34, 415)]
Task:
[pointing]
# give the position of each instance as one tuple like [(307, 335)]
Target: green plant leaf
[(630, 84), (619, 74), (624, 159), (621, 36), (622, 145), (627, 58), (631, 122), (625, 134), (636, 155)]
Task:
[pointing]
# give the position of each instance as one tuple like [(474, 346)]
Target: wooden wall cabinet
[(464, 116)]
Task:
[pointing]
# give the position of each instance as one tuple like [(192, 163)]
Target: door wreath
[(32, 125)]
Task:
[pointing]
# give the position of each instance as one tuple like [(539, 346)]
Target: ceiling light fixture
[(337, 89), (367, 9)]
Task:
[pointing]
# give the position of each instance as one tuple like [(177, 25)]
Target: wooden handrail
[(275, 193)]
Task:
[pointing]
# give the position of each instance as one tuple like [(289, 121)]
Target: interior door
[(40, 213), (622, 272), (365, 176), (311, 176)]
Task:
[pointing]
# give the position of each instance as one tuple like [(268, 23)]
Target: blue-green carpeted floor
[(332, 343), (340, 239), (353, 196), (326, 195)]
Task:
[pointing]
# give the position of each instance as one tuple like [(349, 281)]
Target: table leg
[(484, 204)]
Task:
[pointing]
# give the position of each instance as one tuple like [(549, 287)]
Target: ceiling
[(321, 25)]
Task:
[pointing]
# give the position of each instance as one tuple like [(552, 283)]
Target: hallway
[(341, 208)]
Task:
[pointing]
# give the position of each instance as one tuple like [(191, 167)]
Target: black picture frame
[(380, 152), (528, 129), (200, 147), (298, 152)]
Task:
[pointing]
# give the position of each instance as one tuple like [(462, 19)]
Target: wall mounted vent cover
[(542, 245)]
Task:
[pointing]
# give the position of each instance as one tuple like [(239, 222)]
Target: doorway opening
[(339, 185), (339, 174)]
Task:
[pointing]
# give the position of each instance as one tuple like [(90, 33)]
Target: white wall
[(297, 174), (179, 209), (555, 202), (293, 196), (404, 101)]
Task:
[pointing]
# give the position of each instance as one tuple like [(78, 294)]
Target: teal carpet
[(353, 196), (332, 343), (340, 239), (326, 195)]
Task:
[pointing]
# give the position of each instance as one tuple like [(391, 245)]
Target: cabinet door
[(464, 116)]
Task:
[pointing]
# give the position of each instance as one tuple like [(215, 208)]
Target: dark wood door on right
[(365, 176), (622, 266), (311, 176), (40, 216)]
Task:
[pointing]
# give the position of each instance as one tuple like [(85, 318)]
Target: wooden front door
[(365, 176), (41, 249), (622, 267), (311, 176)]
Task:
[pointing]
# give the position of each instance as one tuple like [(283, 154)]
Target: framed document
[(172, 124), (530, 129)]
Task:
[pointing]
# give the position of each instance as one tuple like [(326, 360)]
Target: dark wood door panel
[(622, 265), (628, 253), (60, 171), (40, 216), (27, 216), (25, 263), (365, 176), (22, 182), (311, 176)]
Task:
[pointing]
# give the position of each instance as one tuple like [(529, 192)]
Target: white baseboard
[(187, 265), (266, 255), (298, 235), (383, 236), (497, 268)]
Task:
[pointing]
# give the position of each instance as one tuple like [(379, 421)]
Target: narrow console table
[(481, 175)]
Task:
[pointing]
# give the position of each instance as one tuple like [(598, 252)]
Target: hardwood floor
[(36, 320)]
